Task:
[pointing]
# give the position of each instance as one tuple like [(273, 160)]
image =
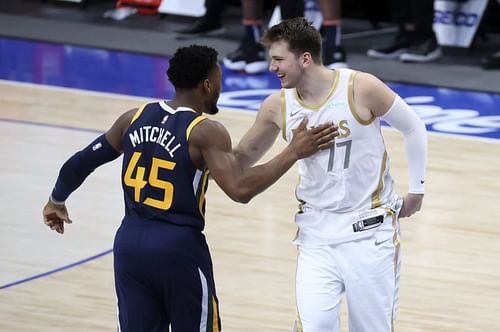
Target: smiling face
[(294, 46), (289, 67)]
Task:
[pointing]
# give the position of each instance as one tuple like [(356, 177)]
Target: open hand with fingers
[(306, 142), (55, 216)]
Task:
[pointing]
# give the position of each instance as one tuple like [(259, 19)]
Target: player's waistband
[(322, 227)]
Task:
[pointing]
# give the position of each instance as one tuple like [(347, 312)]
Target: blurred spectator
[(416, 40), (491, 62), (211, 22), (334, 55), (250, 55)]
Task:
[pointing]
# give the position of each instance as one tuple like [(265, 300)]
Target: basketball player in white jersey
[(348, 231)]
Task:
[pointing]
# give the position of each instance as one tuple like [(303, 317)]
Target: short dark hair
[(191, 65), (300, 35)]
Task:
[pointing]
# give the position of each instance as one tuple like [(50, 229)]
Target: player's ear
[(307, 59), (206, 85)]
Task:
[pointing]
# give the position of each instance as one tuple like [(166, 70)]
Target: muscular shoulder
[(273, 100), (206, 137), (270, 109), (365, 82), (209, 133), (118, 129), (371, 93), (127, 117)]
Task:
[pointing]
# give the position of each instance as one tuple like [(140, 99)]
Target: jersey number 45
[(138, 182)]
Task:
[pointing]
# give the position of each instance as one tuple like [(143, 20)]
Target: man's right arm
[(75, 170), (214, 144), (262, 135)]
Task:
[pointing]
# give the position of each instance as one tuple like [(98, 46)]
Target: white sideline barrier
[(194, 8)]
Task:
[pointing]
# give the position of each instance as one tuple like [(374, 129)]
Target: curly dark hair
[(300, 35), (191, 65)]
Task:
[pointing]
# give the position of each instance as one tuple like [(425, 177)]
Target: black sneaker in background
[(399, 45), (203, 26), (335, 58), (251, 59), (424, 51), (491, 62)]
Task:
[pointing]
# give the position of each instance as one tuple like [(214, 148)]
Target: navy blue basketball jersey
[(160, 181)]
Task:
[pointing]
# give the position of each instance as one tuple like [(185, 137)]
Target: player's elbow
[(243, 198), (242, 195)]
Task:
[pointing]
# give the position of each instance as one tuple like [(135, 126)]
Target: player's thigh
[(372, 284), (140, 307), (319, 289), (193, 304)]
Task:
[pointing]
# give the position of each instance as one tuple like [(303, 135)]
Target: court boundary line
[(83, 91), (71, 265), (51, 125), (59, 269)]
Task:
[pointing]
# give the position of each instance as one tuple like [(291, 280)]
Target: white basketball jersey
[(353, 175)]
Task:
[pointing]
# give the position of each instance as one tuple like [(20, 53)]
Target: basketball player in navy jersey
[(163, 269)]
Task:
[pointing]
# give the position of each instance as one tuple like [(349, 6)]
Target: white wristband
[(53, 201)]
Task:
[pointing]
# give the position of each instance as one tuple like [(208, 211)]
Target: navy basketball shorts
[(164, 278)]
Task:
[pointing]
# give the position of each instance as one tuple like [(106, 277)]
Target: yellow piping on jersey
[(193, 124), (138, 113), (202, 194), (215, 318), (330, 93), (301, 207), (283, 114), (376, 195), (298, 324), (350, 97), (298, 321), (396, 242)]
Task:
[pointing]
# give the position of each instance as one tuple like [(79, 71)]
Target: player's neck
[(315, 84), (186, 100)]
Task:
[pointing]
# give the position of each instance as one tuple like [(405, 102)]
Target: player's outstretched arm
[(214, 145), (262, 134), (76, 169)]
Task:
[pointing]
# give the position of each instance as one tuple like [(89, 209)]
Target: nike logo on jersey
[(292, 114), (377, 242), (422, 181)]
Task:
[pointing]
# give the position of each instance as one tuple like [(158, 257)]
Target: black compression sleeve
[(76, 169)]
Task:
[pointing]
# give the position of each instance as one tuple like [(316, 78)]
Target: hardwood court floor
[(451, 250)]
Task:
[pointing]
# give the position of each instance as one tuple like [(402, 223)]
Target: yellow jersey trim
[(138, 113), (215, 318), (202, 194), (376, 195), (330, 93), (397, 245), (350, 98), (283, 114), (298, 322), (193, 124)]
